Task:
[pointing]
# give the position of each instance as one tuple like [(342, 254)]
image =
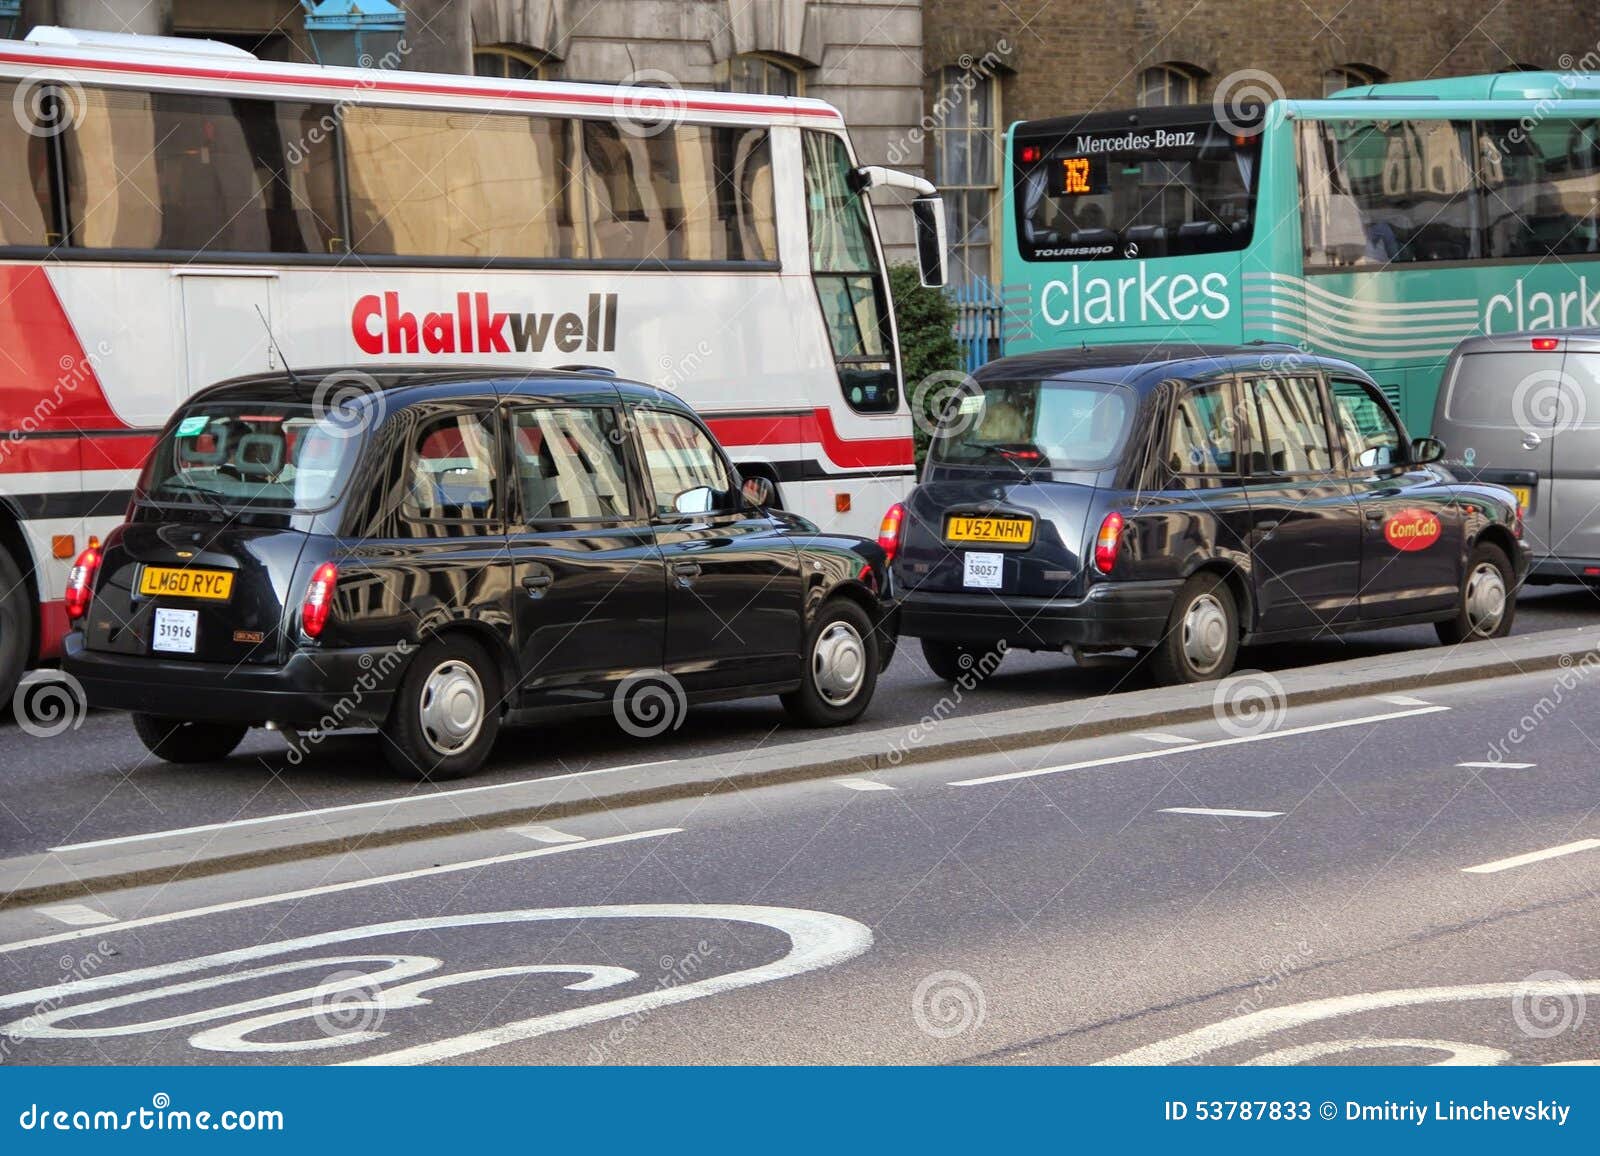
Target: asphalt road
[(969, 911), (97, 781)]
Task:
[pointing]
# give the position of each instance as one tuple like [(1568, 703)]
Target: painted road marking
[(332, 888), (541, 834), (1492, 766), (1533, 857), (1221, 812), (863, 785), (76, 914), (1403, 700), (1164, 739), (1210, 744), (228, 826), (817, 939)]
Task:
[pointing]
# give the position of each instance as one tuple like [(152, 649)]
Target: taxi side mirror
[(1425, 451)]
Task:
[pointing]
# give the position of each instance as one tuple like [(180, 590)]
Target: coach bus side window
[(849, 283), (1392, 192), (25, 212), (171, 171), (1539, 187)]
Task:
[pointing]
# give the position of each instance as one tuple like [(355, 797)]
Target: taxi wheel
[(841, 667), (1202, 638), (1488, 605), (446, 714), (178, 741), (953, 661)]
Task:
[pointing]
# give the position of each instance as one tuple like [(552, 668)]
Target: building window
[(754, 72), (963, 147), (507, 62), (1348, 76), (1167, 84)]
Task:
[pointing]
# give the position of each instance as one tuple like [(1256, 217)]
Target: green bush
[(926, 320)]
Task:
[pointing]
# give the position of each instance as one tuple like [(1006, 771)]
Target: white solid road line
[(1402, 700), (76, 914), (1210, 744), (1533, 857), (457, 793), (1492, 766), (863, 785), (1223, 812), (541, 834), (1164, 739), (331, 889)]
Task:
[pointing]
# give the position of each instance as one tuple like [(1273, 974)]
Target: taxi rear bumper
[(1111, 614)]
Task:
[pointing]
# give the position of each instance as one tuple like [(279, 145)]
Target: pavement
[(1399, 876)]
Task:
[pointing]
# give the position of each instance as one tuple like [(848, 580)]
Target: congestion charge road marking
[(1168, 740), (431, 795), (331, 889), (817, 939), (1533, 857), (1221, 812), (1493, 766), (863, 785), (76, 914), (1258, 1024), (1403, 700), (546, 834), (1210, 744)]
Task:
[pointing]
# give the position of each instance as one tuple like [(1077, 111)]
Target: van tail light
[(1108, 542), (319, 599), (80, 582), (1546, 344), (1516, 523), (894, 521)]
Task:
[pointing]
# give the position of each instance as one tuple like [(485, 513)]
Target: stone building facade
[(864, 56)]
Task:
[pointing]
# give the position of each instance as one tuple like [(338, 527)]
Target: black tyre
[(16, 628), (953, 661), (446, 714), (1487, 605), (181, 741), (1202, 639), (841, 667)]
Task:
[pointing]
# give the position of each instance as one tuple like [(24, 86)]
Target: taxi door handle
[(686, 570), (535, 583)]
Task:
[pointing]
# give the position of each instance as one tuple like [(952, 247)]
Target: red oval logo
[(1412, 530)]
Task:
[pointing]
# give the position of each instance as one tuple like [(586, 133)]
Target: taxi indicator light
[(1108, 542), (80, 582), (894, 520), (319, 599), (1546, 344)]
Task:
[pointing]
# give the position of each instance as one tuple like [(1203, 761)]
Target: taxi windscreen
[(1052, 425), (250, 457)]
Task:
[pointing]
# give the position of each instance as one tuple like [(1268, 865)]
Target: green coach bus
[(1382, 225)]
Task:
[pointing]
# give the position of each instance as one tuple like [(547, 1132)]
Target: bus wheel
[(16, 628)]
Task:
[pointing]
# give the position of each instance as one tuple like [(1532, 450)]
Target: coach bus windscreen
[(1134, 192)]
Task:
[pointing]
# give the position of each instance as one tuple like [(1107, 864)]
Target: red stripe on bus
[(49, 385), (813, 428), (636, 105)]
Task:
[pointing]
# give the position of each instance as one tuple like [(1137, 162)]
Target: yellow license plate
[(1006, 531), (1524, 497), (213, 585)]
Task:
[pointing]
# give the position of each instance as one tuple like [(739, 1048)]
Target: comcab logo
[(380, 326), (1412, 530)]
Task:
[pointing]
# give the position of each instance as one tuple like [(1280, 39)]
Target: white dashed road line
[(1402, 700), (863, 785), (1533, 857), (540, 834), (1493, 766), (1221, 812), (76, 914), (1164, 739)]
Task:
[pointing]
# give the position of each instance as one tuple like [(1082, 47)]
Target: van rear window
[(1484, 387)]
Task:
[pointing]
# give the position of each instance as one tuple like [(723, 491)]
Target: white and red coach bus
[(163, 202)]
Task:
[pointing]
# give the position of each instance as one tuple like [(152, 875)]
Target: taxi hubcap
[(451, 707), (1205, 633), (839, 663), (1486, 598)]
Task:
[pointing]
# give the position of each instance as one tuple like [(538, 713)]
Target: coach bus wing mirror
[(1426, 450), (928, 212)]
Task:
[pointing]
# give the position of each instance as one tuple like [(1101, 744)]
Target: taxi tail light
[(80, 582), (1108, 542), (894, 521), (319, 599)]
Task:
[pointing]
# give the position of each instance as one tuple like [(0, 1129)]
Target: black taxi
[(1184, 500), (431, 553)]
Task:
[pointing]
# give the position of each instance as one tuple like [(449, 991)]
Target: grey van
[(1522, 410)]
